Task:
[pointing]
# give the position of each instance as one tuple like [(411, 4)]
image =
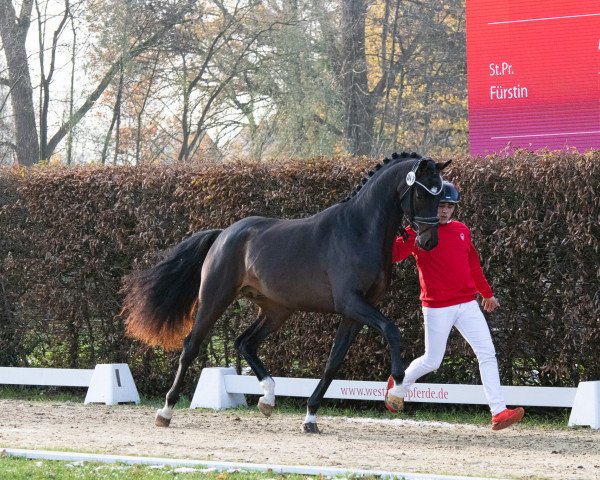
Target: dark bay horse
[(336, 261)]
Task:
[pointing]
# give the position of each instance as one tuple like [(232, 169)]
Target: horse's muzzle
[(428, 239)]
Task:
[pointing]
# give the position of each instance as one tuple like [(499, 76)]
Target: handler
[(450, 276)]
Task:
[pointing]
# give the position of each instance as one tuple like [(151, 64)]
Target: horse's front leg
[(357, 308), (346, 333)]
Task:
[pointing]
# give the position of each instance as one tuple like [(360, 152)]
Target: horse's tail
[(160, 302)]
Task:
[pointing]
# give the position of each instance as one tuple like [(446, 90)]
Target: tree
[(290, 102), (402, 69), (162, 79), (190, 83), (6, 135), (360, 98), (225, 45), (359, 76), (425, 109), (13, 31), (149, 24)]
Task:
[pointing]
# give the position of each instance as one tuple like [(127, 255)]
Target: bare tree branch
[(132, 53), (46, 80), (332, 128)]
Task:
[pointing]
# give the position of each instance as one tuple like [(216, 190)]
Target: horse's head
[(420, 194)]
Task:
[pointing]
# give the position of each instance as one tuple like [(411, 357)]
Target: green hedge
[(70, 235)]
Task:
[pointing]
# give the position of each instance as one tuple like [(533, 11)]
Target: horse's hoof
[(310, 428), (265, 409), (393, 403), (161, 421)]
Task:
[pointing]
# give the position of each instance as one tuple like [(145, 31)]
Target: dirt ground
[(523, 452)]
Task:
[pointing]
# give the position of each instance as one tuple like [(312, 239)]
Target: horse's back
[(282, 260)]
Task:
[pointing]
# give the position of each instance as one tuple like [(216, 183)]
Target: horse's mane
[(387, 162)]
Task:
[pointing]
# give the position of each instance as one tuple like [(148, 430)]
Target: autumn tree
[(192, 83), (136, 131), (290, 103), (226, 44), (426, 107), (361, 76), (148, 23), (164, 79), (401, 63)]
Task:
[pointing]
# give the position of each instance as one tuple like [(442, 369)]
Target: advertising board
[(533, 71)]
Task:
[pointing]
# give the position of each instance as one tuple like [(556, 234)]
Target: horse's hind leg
[(208, 313), (346, 333), (270, 318)]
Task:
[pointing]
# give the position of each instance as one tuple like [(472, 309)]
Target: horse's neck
[(377, 209)]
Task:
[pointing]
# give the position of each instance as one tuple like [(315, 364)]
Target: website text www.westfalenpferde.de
[(413, 394)]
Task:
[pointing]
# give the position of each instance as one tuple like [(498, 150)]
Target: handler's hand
[(490, 304)]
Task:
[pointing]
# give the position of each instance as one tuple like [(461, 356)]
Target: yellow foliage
[(374, 41), (55, 159)]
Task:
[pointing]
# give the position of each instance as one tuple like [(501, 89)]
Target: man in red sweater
[(450, 276)]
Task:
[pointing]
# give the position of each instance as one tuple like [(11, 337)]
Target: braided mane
[(386, 163)]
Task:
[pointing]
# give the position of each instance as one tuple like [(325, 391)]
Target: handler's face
[(445, 211)]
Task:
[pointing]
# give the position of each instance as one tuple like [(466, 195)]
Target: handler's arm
[(403, 249)]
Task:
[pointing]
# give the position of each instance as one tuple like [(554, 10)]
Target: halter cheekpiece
[(411, 181)]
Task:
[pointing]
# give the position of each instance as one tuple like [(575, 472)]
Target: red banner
[(534, 74)]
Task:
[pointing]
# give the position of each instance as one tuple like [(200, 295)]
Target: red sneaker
[(507, 417)]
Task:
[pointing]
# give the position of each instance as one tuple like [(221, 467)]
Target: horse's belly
[(294, 295)]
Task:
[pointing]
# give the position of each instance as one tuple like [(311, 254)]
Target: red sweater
[(450, 273)]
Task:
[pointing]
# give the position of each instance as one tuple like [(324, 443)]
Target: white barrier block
[(211, 392), (112, 383), (586, 407)]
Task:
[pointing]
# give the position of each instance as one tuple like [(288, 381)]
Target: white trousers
[(470, 322)]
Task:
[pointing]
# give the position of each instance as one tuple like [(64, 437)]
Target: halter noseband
[(411, 181)]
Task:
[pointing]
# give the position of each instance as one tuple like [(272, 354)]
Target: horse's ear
[(441, 166)]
